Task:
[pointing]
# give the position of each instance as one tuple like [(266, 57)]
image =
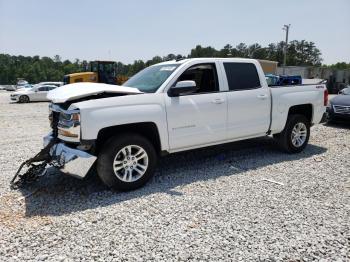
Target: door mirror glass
[(183, 87)]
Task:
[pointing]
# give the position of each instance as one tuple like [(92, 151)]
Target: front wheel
[(126, 162), (295, 136), (24, 99)]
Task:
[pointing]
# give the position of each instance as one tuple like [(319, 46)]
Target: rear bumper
[(74, 162)]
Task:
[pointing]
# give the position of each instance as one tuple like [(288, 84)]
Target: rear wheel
[(126, 162), (24, 99), (295, 136)]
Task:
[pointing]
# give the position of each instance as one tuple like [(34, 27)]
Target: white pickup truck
[(171, 107)]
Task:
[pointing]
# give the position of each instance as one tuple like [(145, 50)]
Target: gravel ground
[(210, 204)]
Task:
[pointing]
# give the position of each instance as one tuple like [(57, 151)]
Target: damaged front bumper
[(55, 154), (72, 161)]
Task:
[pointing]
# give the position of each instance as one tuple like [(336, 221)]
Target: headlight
[(70, 118), (69, 125), (65, 123)]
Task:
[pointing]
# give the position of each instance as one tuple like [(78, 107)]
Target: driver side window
[(205, 77)]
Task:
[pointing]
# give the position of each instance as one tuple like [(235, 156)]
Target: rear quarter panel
[(283, 98)]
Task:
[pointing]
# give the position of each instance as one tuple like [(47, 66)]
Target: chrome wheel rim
[(130, 163), (299, 134)]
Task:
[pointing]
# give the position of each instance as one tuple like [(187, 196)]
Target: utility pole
[(286, 28)]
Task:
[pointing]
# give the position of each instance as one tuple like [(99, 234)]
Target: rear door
[(198, 118), (249, 102)]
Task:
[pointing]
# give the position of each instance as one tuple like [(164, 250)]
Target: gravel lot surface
[(211, 204)]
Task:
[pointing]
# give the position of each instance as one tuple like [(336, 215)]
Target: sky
[(137, 29)]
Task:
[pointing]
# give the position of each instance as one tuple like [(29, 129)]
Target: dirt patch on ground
[(13, 215)]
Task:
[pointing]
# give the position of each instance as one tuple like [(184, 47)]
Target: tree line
[(36, 69)]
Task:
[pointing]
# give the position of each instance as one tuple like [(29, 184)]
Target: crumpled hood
[(79, 90)]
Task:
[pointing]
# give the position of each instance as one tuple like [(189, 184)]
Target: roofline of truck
[(183, 61)]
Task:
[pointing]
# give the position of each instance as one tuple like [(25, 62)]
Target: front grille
[(341, 109)]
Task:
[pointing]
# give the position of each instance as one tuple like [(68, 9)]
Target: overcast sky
[(139, 29)]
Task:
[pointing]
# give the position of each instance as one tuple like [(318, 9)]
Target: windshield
[(151, 78)]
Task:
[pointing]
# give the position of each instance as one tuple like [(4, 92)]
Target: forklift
[(97, 72)]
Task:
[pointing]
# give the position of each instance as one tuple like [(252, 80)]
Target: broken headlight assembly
[(69, 126), (67, 123)]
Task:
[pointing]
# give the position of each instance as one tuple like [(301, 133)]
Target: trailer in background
[(269, 67)]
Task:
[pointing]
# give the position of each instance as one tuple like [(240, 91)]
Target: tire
[(285, 138), (121, 170), (23, 99)]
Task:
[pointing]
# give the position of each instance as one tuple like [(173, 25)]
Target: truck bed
[(285, 97)]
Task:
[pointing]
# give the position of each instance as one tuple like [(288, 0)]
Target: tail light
[(325, 97)]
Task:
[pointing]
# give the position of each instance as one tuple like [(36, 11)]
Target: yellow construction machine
[(99, 72)]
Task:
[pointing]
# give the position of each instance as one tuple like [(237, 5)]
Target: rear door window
[(242, 76)]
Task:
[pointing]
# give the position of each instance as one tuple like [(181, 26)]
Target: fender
[(114, 111)]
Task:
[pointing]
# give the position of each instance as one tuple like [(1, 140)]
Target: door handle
[(218, 101), (262, 96)]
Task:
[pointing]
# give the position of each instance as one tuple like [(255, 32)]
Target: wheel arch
[(304, 109), (146, 129)]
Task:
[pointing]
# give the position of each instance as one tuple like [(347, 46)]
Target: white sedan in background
[(58, 84), (36, 93)]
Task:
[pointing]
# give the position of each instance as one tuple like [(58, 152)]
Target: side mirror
[(182, 87)]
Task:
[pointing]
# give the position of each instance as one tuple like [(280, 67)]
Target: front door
[(198, 118)]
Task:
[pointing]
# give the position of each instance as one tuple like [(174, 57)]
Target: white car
[(35, 94), (170, 107), (58, 84), (21, 83), (10, 88), (25, 87)]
